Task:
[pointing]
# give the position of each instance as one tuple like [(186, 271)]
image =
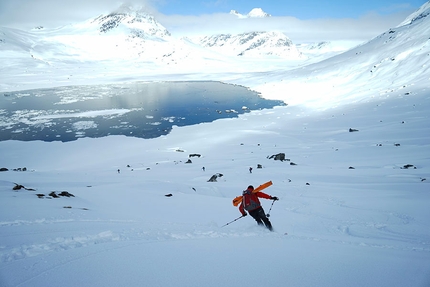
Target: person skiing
[(251, 203)]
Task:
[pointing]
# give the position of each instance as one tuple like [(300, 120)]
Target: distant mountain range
[(130, 34), (128, 44)]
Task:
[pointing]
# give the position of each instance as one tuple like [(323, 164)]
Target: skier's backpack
[(250, 201)]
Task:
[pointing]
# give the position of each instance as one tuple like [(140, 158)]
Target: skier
[(251, 203)]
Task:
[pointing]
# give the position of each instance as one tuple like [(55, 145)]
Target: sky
[(300, 20)]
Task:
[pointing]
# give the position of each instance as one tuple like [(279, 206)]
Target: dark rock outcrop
[(214, 177), (279, 156)]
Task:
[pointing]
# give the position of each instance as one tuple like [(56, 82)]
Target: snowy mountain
[(130, 34), (138, 23), (254, 13), (252, 44), (125, 34)]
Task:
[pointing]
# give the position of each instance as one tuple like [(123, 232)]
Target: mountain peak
[(254, 13), (136, 19), (258, 13)]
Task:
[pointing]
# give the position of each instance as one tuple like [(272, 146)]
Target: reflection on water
[(139, 109)]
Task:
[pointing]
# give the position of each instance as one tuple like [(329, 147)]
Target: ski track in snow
[(132, 233), (137, 235)]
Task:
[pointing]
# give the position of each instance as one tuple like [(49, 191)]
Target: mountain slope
[(397, 60)]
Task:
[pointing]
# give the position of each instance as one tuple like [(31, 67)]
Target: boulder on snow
[(214, 177), (19, 186), (66, 194), (279, 156), (63, 193), (53, 194)]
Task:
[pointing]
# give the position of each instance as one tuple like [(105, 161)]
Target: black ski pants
[(259, 216)]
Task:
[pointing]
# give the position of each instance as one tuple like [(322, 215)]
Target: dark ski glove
[(274, 198), (244, 214)]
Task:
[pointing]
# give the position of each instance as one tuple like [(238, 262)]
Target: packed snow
[(354, 190)]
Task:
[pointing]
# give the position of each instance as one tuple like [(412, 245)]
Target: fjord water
[(138, 109)]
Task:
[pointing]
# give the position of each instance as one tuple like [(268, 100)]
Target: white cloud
[(298, 30), (52, 13)]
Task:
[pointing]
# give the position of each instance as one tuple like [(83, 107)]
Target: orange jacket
[(251, 202)]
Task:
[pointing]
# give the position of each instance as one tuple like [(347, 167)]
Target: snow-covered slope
[(323, 50)]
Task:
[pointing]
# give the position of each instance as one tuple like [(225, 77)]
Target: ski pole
[(233, 221), (268, 214)]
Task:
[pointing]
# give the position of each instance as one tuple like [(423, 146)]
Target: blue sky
[(302, 9), (301, 20)]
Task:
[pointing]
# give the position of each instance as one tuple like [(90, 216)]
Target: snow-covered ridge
[(421, 13), (252, 43)]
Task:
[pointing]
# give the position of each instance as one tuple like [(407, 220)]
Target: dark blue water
[(140, 109)]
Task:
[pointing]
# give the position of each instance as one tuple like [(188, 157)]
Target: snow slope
[(353, 208)]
